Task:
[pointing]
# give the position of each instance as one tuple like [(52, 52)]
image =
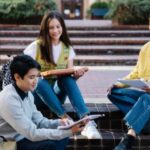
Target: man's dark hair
[(22, 64)]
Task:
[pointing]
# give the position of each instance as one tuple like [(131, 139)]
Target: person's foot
[(125, 143), (90, 131)]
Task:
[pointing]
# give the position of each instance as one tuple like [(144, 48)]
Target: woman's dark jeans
[(135, 104)]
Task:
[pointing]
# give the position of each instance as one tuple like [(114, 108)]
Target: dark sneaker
[(125, 143)]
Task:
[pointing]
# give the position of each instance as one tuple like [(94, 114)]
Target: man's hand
[(146, 89), (79, 127), (66, 121)]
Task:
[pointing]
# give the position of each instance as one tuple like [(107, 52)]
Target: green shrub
[(130, 11), (24, 11), (95, 7), (99, 4)]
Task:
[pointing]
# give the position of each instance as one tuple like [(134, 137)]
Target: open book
[(90, 117), (137, 83), (61, 71)]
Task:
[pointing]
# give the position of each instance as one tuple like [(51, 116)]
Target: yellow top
[(142, 68), (61, 63)]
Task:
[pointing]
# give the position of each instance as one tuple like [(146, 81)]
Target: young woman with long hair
[(53, 50)]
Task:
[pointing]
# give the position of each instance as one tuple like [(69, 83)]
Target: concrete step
[(82, 60), (19, 33), (100, 45), (88, 60), (110, 41), (95, 83), (107, 27), (19, 27), (80, 33), (82, 41), (109, 33), (11, 49), (82, 49), (80, 25), (107, 49)]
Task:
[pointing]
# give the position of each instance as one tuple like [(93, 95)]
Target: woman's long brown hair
[(46, 45)]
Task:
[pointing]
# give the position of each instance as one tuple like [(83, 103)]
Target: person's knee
[(57, 145), (111, 94), (66, 78), (62, 144), (43, 86), (145, 98), (50, 146), (43, 82)]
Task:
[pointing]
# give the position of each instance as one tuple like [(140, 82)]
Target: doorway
[(72, 9)]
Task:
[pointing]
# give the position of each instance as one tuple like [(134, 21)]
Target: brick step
[(110, 138), (79, 33), (81, 49), (83, 60), (82, 41), (112, 116), (111, 128)]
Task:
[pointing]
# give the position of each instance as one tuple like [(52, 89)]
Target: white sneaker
[(90, 131)]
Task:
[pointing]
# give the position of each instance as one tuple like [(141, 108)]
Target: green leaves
[(99, 4), (20, 10), (130, 11)]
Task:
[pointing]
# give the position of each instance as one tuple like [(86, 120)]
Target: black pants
[(25, 144)]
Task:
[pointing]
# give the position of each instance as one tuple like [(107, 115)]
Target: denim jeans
[(26, 144), (54, 99), (135, 104)]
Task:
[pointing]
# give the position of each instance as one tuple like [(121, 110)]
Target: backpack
[(1, 80), (5, 75)]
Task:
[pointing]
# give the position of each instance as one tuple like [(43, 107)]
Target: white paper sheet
[(90, 117), (137, 83)]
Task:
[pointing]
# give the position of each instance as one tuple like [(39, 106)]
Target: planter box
[(98, 13)]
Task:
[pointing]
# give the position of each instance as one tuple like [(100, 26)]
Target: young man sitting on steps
[(19, 118)]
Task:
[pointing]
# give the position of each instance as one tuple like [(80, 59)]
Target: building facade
[(74, 9)]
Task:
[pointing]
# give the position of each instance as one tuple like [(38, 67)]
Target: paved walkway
[(97, 80), (88, 23)]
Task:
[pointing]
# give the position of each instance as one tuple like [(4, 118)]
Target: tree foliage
[(130, 11), (20, 10)]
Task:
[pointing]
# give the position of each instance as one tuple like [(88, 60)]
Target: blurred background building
[(75, 9)]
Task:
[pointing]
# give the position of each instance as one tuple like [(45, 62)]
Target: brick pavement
[(96, 81)]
